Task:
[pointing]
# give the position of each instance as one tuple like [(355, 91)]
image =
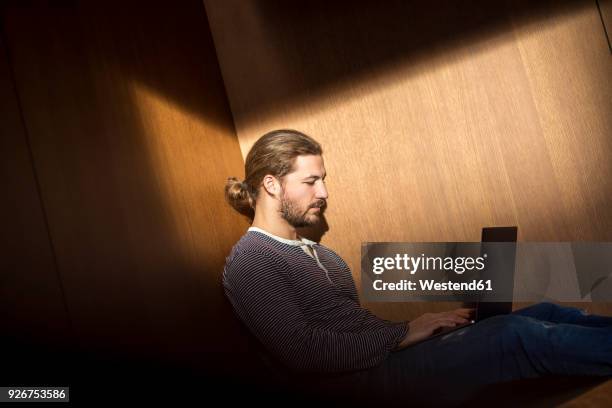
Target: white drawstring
[(316, 257)]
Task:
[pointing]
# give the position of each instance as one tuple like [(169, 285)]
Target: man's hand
[(424, 326)]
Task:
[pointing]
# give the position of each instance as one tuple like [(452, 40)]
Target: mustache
[(322, 204)]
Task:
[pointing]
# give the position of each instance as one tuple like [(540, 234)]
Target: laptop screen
[(500, 267)]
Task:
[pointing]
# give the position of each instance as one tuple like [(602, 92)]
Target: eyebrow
[(313, 176)]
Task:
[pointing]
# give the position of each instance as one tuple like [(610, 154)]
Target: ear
[(271, 185)]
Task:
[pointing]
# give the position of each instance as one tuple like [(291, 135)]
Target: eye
[(310, 182)]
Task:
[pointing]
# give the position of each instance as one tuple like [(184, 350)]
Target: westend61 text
[(432, 285)]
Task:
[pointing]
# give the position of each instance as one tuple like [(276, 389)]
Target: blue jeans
[(543, 339)]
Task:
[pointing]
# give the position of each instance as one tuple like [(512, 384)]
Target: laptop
[(505, 269)]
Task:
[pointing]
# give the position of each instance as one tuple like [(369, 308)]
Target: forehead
[(308, 165)]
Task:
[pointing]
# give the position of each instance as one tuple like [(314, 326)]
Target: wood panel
[(605, 7), (600, 396), (32, 307), (435, 121), (132, 140)]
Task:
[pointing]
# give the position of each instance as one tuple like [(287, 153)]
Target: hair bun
[(237, 195)]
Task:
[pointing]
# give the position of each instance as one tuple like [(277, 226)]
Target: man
[(299, 298)]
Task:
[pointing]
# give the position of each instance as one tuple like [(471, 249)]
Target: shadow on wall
[(303, 62), (321, 46), (127, 267), (134, 201)]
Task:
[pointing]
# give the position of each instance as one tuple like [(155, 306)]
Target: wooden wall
[(435, 121), (605, 8), (118, 139), (32, 305)]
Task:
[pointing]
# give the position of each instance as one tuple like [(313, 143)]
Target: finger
[(456, 319), (449, 322), (463, 312), (459, 313), (443, 323)]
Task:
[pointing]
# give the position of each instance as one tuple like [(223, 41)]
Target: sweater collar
[(302, 241)]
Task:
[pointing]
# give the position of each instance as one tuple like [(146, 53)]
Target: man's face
[(304, 196)]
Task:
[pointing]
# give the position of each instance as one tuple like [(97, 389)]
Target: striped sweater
[(303, 305)]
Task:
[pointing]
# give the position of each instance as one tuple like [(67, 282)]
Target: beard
[(298, 218)]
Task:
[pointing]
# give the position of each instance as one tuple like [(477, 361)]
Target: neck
[(275, 225)]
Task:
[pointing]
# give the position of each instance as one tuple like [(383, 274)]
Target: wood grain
[(435, 122), (605, 7), (600, 396), (31, 299), (132, 140)]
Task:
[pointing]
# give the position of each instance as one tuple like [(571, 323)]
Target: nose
[(322, 191)]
